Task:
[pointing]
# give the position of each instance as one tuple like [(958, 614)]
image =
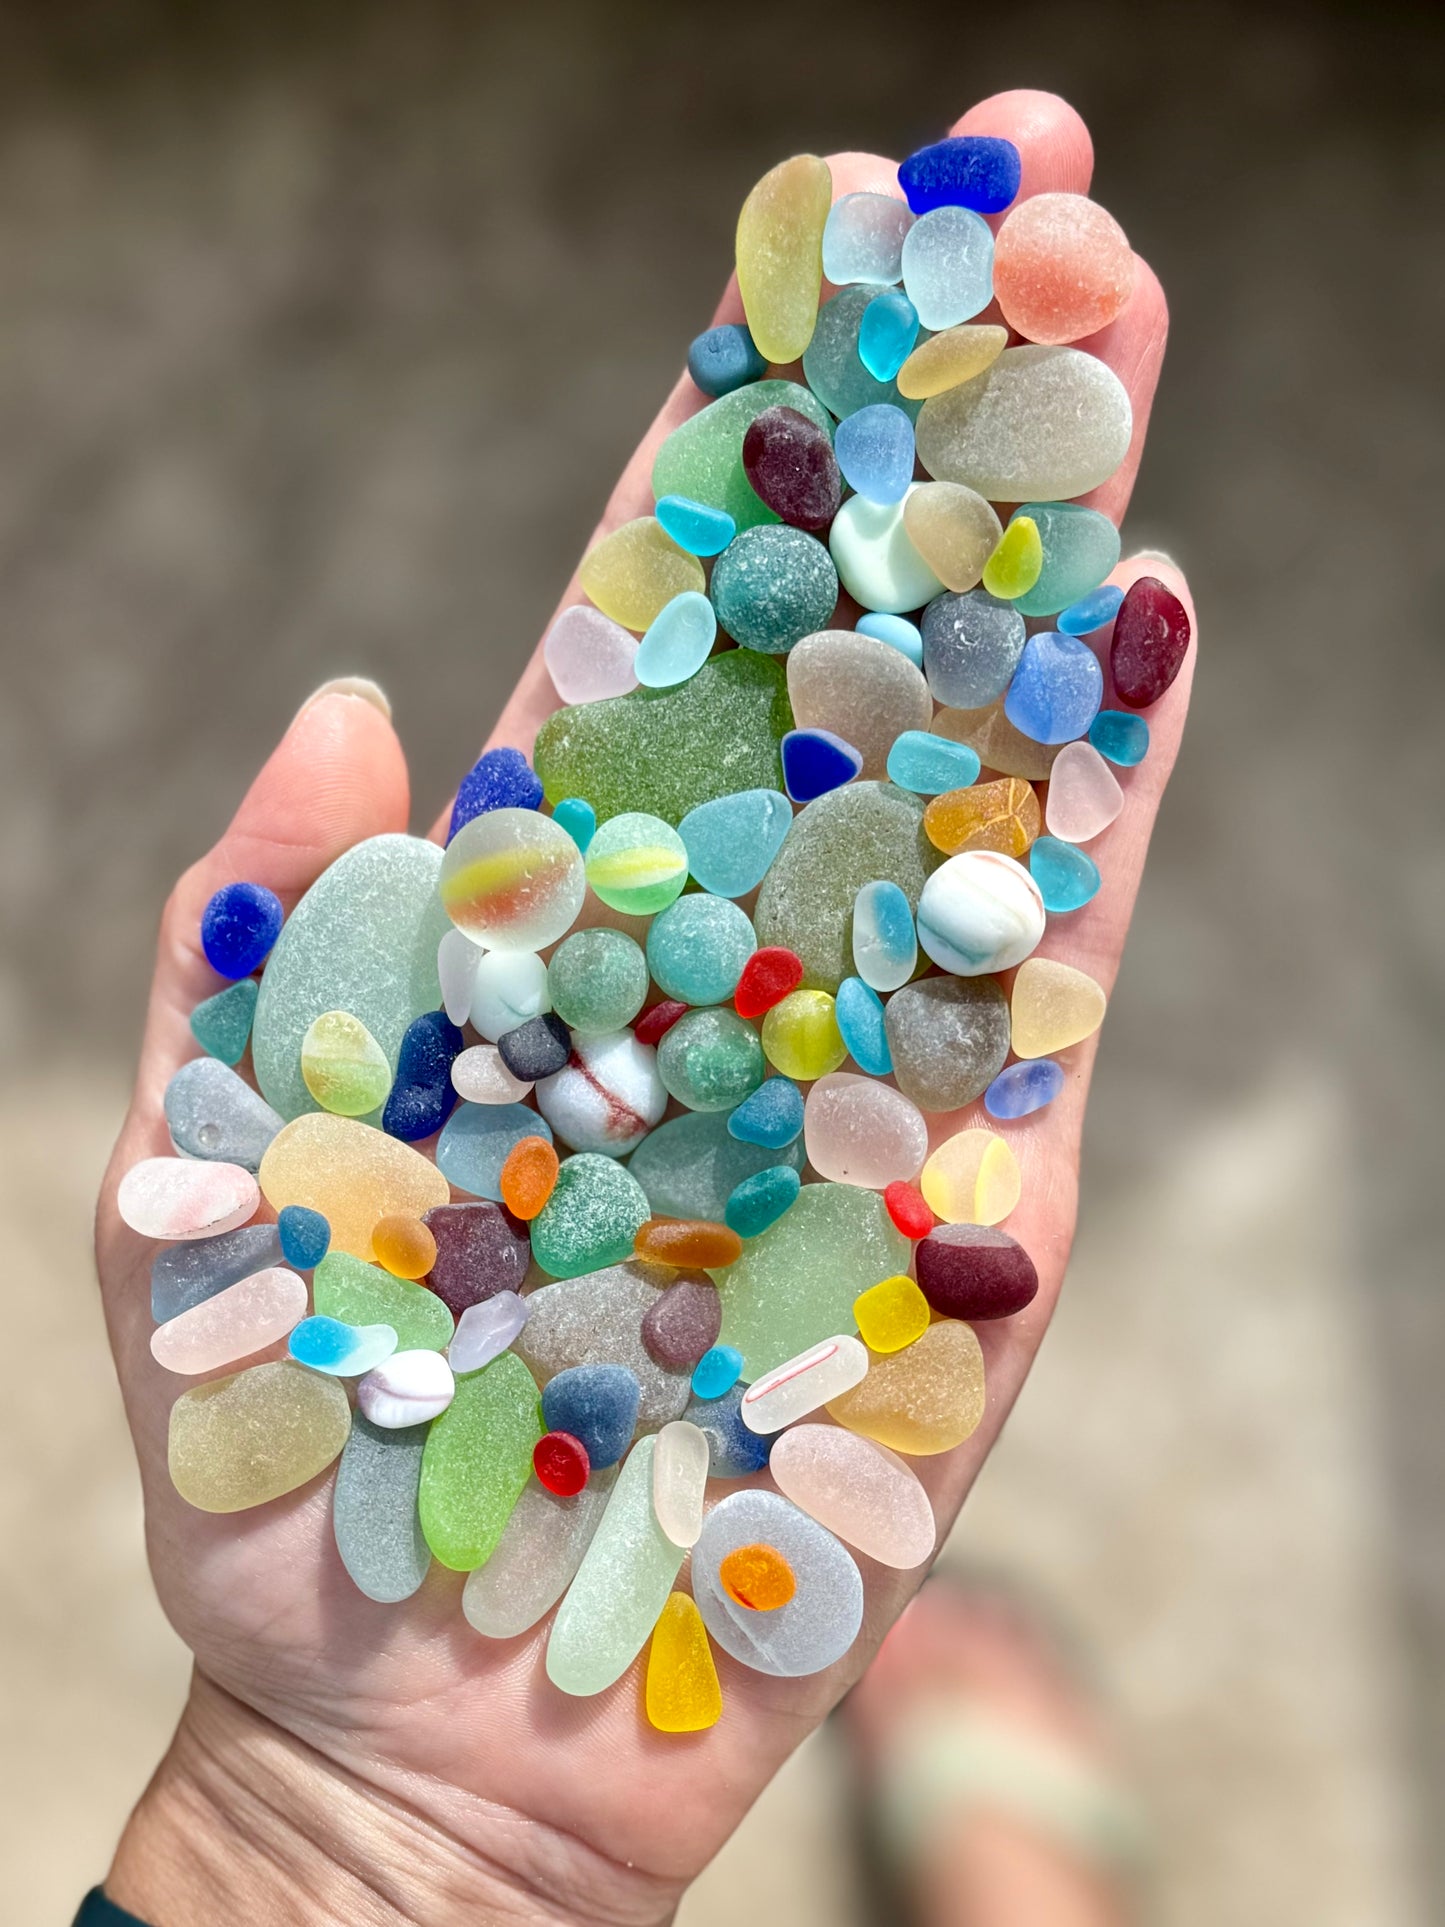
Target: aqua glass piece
[(695, 526), (697, 946), (1080, 547), (772, 587), (885, 939), (832, 363), (340, 1350), (690, 1166), (863, 239), (1120, 737), (677, 643), (929, 765), (887, 334), (1092, 611), (759, 1201), (771, 1117), (948, 266), (897, 631), (716, 1372), (1067, 876), (859, 1015), (731, 842), (578, 819), (221, 1025)]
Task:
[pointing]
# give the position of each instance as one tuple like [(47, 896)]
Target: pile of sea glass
[(684, 1000)]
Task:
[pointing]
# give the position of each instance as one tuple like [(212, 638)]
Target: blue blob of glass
[(928, 765), (1067, 876), (898, 632), (695, 526), (1056, 689), (1091, 612), (724, 358), (305, 1236), (772, 1116), (1022, 1088), (968, 170), (759, 1201), (887, 333), (859, 1014), (578, 819), (1120, 737), (500, 779), (875, 452), (238, 927)]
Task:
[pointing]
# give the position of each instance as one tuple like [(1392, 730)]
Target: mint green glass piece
[(1080, 548), (363, 939), (591, 1219), (477, 1460), (620, 1589), (703, 459), (690, 1166), (833, 365), (222, 1024), (357, 1293), (597, 980), (710, 1060)]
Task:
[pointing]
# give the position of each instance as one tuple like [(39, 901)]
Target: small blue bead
[(1022, 1088), (930, 765), (596, 1404), (816, 761), (421, 1098), (305, 1236), (1120, 736), (500, 779), (1090, 612), (717, 1371), (898, 632), (678, 641), (731, 841), (968, 170), (238, 927), (578, 819), (734, 1449), (859, 1014), (886, 333), (695, 526), (1067, 876), (771, 1117), (759, 1201), (874, 448), (1056, 689), (724, 358)]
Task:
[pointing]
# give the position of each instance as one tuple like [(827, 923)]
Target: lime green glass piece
[(222, 1024), (703, 459), (477, 1460), (343, 1066), (361, 1294)]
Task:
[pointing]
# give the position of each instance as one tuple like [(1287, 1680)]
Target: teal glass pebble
[(578, 819), (221, 1025), (897, 631), (928, 765), (759, 1201), (1067, 876), (716, 1372), (858, 1012), (305, 1236), (1021, 1089), (696, 948), (833, 366), (591, 1219), (475, 1141), (948, 266), (773, 586), (710, 1060), (771, 1117), (1080, 548), (1092, 611), (695, 526), (677, 642), (597, 980), (887, 334), (731, 842), (1120, 737), (874, 447)]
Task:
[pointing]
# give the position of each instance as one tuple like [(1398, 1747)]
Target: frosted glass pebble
[(595, 1211), (501, 778), (788, 460), (678, 641), (980, 912), (972, 1178), (773, 586), (597, 1320), (236, 1442), (406, 1389), (724, 358), (803, 1384), (510, 989), (683, 1694), (1063, 267), (833, 367), (477, 1461), (480, 1077), (221, 1025), (184, 1198), (874, 447), (596, 1405), (305, 1236), (955, 355), (710, 1060), (475, 1141), (1022, 1089), (695, 526), (885, 942), (858, 1131), (1150, 642), (1121, 737), (212, 1113), (353, 1175), (863, 239), (891, 1314), (861, 1492), (1016, 564), (340, 1350), (1003, 815), (971, 647), (457, 960), (928, 764), (682, 1323), (816, 761), (716, 1372), (948, 266), (859, 689), (925, 1399), (980, 171), (421, 1096), (772, 1116), (1038, 424), (343, 1066), (862, 1024), (759, 1201), (733, 1451), (886, 335), (1080, 547), (821, 1620), (697, 947), (481, 1249), (485, 1330), (404, 1247), (690, 1166), (1056, 690), (1084, 795), (906, 637), (679, 1481), (876, 560), (536, 1557), (1054, 1006), (703, 456), (635, 570), (607, 1097), (731, 841), (973, 1271), (1092, 611), (801, 1037), (949, 1037), (954, 530), (352, 1293), (578, 819), (780, 254), (373, 1510), (233, 1323), (589, 656), (512, 880), (187, 1274), (1067, 877), (238, 927)]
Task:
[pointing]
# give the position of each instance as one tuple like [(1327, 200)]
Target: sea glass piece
[(801, 1036), (908, 1208), (636, 570), (510, 988), (688, 1243), (975, 1271), (1040, 423), (513, 880), (457, 960), (1021, 1089), (768, 977), (480, 1077), (406, 1389), (535, 1559), (861, 1492), (478, 1458), (1084, 795), (724, 358), (185, 1198), (1067, 877), (589, 656), (716, 1372), (795, 1285), (683, 1694), (885, 943), (678, 641), (862, 1025), (1063, 268), (1003, 815), (350, 1173), (733, 1451), (703, 456), (925, 1399), (862, 1132), (695, 526), (874, 448), (682, 1323), (980, 171), (679, 1481), (422, 1095), (818, 1623), (595, 1211), (952, 356), (886, 335), (537, 1049), (500, 779), (239, 926), (1015, 565), (1080, 547), (980, 912), (305, 1236), (238, 1441), (221, 1025), (757, 1577), (1054, 1006), (607, 1097), (891, 1314), (343, 1066), (363, 939), (948, 266), (710, 1060), (773, 586), (475, 1141), (338, 1349), (231, 1324), (995, 741), (1057, 688), (863, 240), (1120, 737), (187, 1274), (803, 1384), (213, 1113), (373, 1510), (835, 371), (954, 530), (759, 1201), (930, 765), (485, 1330), (731, 842), (578, 819), (481, 1249), (780, 254), (697, 949), (949, 1037), (1092, 611), (876, 560), (597, 1320), (900, 634), (353, 1293), (857, 688), (789, 461), (690, 1166), (560, 1464), (972, 1178), (596, 1404), (771, 1117), (403, 1246), (971, 647), (816, 761), (1151, 640)]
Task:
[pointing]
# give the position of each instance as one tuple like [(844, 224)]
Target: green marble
[(703, 459), (357, 1293), (477, 1460)]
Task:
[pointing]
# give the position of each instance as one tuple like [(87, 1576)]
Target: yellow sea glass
[(780, 255), (954, 529), (683, 1694), (1002, 816), (236, 1442), (1018, 561), (925, 1399), (1054, 1006), (633, 573), (343, 1066), (944, 360), (352, 1174), (801, 1036), (891, 1315), (972, 1178)]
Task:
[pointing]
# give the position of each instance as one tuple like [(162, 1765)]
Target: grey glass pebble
[(949, 1037), (187, 1274), (212, 1112), (971, 647), (821, 1620), (374, 1510), (596, 1319), (536, 1558)]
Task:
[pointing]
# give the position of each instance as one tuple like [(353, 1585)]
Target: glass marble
[(874, 447), (710, 1060), (772, 587), (597, 980), (695, 526), (800, 1035), (1063, 268), (886, 336), (885, 941), (862, 1025), (863, 239), (678, 642), (979, 913), (636, 570), (1120, 737), (1067, 877), (1022, 1089), (1053, 1006), (948, 266), (780, 255), (724, 358), (1040, 424), (513, 880), (636, 863), (697, 948), (972, 1178), (979, 171)]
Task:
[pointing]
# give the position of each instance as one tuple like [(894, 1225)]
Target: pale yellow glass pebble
[(1018, 561), (801, 1036), (780, 255), (891, 1315), (1053, 1006), (972, 1178), (343, 1066), (352, 1174), (925, 1399), (236, 1442), (944, 360), (954, 529), (633, 573), (683, 1694)]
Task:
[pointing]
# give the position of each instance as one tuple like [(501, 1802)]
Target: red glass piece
[(653, 1025), (561, 1463), (908, 1208), (768, 977), (1151, 640)]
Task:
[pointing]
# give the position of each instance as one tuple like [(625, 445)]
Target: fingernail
[(1156, 555), (369, 692)]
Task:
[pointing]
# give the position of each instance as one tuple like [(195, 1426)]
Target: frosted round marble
[(864, 1494), (821, 1620), (677, 643), (637, 863), (457, 960), (1084, 795), (241, 1319), (343, 1066), (406, 1389), (803, 1384), (860, 689), (184, 1198), (1040, 424), (875, 558), (972, 1178), (858, 1131), (980, 913), (885, 942), (486, 1330), (863, 240), (589, 656), (480, 1077), (948, 266), (697, 947), (509, 990), (1053, 1006), (513, 880), (679, 1481), (607, 1097)]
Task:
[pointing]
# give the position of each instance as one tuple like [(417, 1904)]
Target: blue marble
[(875, 451), (1021, 1088), (897, 631), (1056, 689), (979, 171), (772, 1116), (1067, 876), (421, 1098), (734, 1450), (596, 1404), (816, 761), (678, 641), (475, 1141), (697, 946), (859, 1013), (500, 779), (887, 333), (930, 765), (187, 1274), (731, 841), (338, 1349), (695, 526), (1091, 612), (717, 1371), (221, 1025), (759, 1201), (578, 819), (1120, 737), (238, 927), (305, 1236), (724, 358)]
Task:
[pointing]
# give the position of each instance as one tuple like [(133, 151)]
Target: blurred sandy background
[(323, 330)]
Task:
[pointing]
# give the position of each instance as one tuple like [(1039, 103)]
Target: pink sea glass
[(184, 1198), (241, 1320), (1084, 797)]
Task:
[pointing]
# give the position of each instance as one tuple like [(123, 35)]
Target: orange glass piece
[(758, 1577), (1002, 816), (528, 1175), (405, 1246), (692, 1244)]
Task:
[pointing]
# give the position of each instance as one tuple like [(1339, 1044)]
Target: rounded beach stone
[(236, 1442), (481, 1250), (971, 647), (353, 1175), (477, 1460), (724, 358), (239, 926), (1084, 794), (510, 988), (835, 370), (858, 1131), (1040, 423), (595, 1211), (409, 1388), (213, 1113), (1056, 690), (480, 1077), (950, 357), (589, 656), (925, 1399), (788, 458), (710, 1060), (1002, 816), (948, 266), (697, 949), (1063, 268), (731, 842), (184, 1198), (682, 1323), (863, 240), (1067, 877), (974, 1271), (1054, 1006), (678, 642), (953, 529), (780, 255), (1151, 640), (373, 1510), (607, 1097), (703, 456), (891, 1314), (690, 1166), (821, 1620), (981, 171), (772, 586), (801, 1036), (513, 880), (949, 1037), (972, 1178), (344, 1067), (597, 1319), (860, 689), (597, 980), (596, 1404), (534, 1561), (244, 1318), (1080, 547), (980, 912), (683, 1694), (1021, 1089), (500, 779), (875, 558), (636, 863), (861, 1492), (635, 571), (403, 1246), (995, 741)]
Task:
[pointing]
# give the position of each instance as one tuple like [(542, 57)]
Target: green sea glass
[(703, 459), (478, 1458), (360, 1294)]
